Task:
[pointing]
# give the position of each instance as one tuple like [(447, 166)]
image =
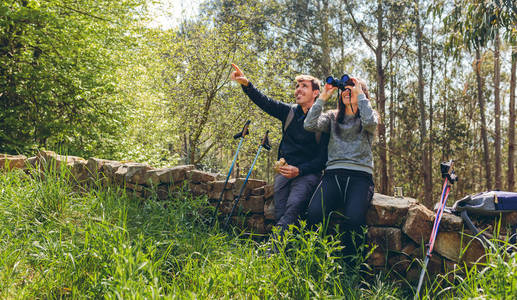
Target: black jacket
[(298, 147)]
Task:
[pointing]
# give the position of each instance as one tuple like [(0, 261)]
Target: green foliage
[(57, 73), (57, 241), (92, 79), (474, 23), (194, 110)]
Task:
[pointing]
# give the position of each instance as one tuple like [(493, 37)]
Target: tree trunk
[(481, 102), (510, 179), (424, 167), (431, 133), (445, 146), (186, 153), (497, 110), (381, 101), (392, 117), (325, 40), (341, 66)]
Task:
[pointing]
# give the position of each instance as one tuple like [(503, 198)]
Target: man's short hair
[(315, 81)]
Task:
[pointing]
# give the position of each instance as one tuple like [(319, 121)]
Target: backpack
[(289, 119), (486, 204)]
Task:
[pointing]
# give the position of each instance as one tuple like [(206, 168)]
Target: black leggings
[(346, 191)]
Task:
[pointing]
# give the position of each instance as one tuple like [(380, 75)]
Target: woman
[(347, 183)]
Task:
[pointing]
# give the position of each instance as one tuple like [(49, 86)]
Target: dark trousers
[(291, 197), (343, 192)]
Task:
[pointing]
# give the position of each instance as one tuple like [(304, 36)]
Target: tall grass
[(57, 241)]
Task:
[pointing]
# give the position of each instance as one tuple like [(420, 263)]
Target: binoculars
[(341, 83)]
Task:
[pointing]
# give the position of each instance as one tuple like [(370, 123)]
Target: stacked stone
[(399, 227), (139, 179), (50, 161), (250, 211)]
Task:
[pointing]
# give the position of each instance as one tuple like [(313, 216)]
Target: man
[(305, 152)]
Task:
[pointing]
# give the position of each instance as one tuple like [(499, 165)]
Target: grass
[(494, 276), (57, 241)]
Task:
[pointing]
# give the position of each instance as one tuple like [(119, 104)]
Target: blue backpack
[(486, 204)]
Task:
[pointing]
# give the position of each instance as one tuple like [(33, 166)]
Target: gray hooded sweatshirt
[(350, 146)]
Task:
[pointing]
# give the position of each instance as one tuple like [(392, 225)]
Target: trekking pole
[(447, 169), (241, 135), (264, 144)]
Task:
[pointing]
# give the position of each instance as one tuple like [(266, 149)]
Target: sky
[(169, 13)]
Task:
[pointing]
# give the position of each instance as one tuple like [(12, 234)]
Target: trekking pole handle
[(243, 132), (265, 142), (447, 169)]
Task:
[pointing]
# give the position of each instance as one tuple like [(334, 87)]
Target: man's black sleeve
[(316, 164), (274, 108)]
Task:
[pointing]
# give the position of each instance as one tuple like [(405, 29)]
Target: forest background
[(95, 78)]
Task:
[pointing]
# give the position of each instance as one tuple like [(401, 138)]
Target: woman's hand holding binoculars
[(328, 90), (356, 89)]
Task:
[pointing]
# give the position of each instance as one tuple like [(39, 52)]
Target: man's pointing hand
[(238, 76)]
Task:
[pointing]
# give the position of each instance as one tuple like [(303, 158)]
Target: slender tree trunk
[(192, 151), (186, 153), (445, 150), (510, 179), (497, 109), (381, 100), (481, 102), (424, 167), (392, 116), (431, 132), (342, 40), (325, 39)]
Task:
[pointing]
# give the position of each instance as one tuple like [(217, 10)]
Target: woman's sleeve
[(369, 118), (315, 121)]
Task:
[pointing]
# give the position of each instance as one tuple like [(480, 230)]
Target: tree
[(480, 22), (511, 130), (308, 27), (204, 106), (57, 72), (497, 111), (425, 170), (482, 112)]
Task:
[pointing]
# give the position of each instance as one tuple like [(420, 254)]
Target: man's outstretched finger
[(237, 69)]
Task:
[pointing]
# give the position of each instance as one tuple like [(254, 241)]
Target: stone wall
[(397, 226)]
